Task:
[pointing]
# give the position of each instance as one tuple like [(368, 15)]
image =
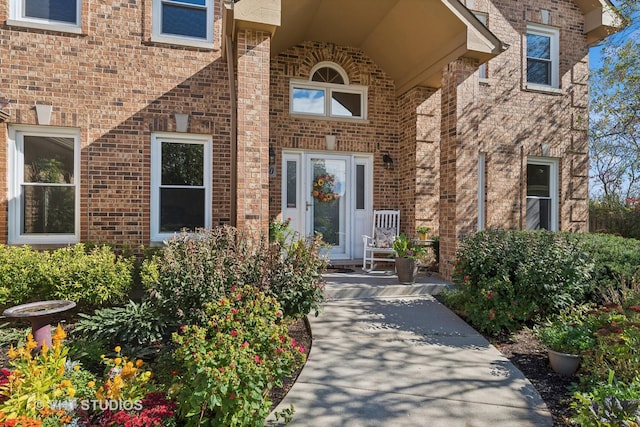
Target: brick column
[(458, 180), (253, 131)]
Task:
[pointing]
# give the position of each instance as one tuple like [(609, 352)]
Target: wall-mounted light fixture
[(43, 112), (182, 122), (388, 161), (331, 142)]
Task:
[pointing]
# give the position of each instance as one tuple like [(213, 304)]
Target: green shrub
[(293, 276), (134, 325), (617, 344), (616, 262), (88, 277), (194, 269), (21, 278), (230, 362), (505, 279)]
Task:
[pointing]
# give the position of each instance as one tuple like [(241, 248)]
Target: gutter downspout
[(229, 50)]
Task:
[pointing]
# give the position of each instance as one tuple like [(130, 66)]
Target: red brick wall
[(378, 134), (117, 88)]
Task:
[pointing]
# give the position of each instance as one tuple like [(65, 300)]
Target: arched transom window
[(328, 93)]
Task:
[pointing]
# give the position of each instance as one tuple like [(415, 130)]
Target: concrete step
[(351, 283)]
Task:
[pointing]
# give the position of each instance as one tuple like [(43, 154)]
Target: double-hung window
[(180, 184), (542, 56), (44, 167), (62, 15), (183, 22), (542, 194), (328, 94)]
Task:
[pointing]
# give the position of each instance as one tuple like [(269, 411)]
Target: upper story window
[(328, 93), (482, 69), (184, 22), (61, 15), (542, 57), (44, 169)]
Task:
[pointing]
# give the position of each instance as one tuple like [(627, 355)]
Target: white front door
[(329, 194)]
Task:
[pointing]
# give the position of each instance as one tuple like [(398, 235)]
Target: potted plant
[(423, 232), (406, 253), (566, 338)]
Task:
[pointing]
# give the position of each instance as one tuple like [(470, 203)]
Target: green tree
[(615, 112)]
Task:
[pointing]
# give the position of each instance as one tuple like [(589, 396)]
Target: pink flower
[(234, 333), (278, 314), (257, 359), (234, 310), (245, 344)]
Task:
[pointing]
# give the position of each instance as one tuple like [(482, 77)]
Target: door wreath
[(323, 188)]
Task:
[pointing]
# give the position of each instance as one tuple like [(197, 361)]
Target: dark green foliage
[(294, 276), (90, 277), (195, 269), (505, 279), (135, 324), (616, 261)]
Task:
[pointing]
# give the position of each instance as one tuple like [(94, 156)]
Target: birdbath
[(40, 315)]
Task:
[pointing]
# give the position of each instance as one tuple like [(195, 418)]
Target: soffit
[(411, 40)]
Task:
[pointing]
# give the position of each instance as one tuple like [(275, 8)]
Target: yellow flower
[(65, 383), (58, 336), (118, 349), (31, 344), (117, 361), (57, 393), (71, 392), (91, 384), (45, 348), (139, 363), (12, 353), (76, 368)]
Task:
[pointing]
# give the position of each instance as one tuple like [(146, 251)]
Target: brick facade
[(118, 87)]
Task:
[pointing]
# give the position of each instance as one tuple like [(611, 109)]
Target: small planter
[(406, 269), (423, 236), (564, 363)]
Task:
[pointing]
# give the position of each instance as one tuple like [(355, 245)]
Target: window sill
[(543, 89), (60, 28), (328, 118), (178, 41)]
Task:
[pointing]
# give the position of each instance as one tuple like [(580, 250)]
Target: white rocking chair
[(378, 246)]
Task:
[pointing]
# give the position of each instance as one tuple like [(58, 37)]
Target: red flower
[(234, 333), (257, 359)]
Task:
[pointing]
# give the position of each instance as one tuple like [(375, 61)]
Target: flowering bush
[(50, 390), (229, 363)]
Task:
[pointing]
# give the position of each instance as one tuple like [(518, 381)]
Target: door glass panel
[(360, 187), (292, 186), (327, 195)]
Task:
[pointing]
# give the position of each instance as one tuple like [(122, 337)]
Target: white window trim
[(483, 17), (554, 187), (16, 174), (328, 89), (18, 19), (554, 35), (156, 177), (328, 64), (158, 36)]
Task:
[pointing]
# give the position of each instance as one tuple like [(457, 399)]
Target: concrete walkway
[(391, 355)]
